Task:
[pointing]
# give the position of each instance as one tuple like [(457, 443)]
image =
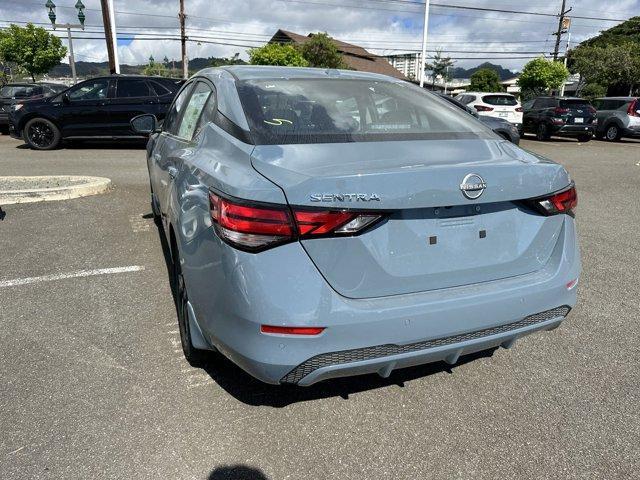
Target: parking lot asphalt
[(93, 383)]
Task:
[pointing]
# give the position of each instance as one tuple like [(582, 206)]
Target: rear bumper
[(572, 130), (383, 359), (233, 293)]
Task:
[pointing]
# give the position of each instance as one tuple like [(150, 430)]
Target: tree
[(485, 80), (616, 67), (591, 91), (277, 54), (439, 67), (540, 75), (31, 48), (155, 69), (320, 51)]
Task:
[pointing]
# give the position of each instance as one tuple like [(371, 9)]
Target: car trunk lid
[(432, 236)]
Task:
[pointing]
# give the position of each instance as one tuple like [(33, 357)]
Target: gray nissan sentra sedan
[(327, 223)]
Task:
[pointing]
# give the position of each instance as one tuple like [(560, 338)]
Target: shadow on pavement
[(236, 472), (251, 391)]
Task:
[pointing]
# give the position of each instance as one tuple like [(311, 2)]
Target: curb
[(82, 186)]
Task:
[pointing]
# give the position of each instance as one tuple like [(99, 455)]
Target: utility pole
[(566, 54), (425, 30), (109, 36), (561, 29), (183, 41)]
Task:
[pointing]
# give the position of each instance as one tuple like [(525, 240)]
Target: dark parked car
[(99, 108), (13, 93), (618, 117), (507, 130), (559, 116)]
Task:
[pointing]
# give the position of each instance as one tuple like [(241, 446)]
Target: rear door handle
[(172, 171)]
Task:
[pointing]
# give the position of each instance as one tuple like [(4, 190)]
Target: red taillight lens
[(250, 227), (519, 109), (255, 227), (592, 110), (482, 108), (291, 330), (561, 202), (634, 108), (560, 111)]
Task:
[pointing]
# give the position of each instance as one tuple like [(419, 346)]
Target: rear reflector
[(254, 226), (291, 330)]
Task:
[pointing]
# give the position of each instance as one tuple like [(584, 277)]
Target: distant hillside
[(92, 69), (502, 72)]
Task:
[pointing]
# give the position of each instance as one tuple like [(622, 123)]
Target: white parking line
[(62, 276)]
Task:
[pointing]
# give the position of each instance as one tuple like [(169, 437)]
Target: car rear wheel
[(542, 132), (613, 133), (42, 134), (194, 356)]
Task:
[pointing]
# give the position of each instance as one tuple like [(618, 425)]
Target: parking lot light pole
[(81, 17)]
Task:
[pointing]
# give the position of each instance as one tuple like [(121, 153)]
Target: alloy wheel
[(41, 134), (612, 133)]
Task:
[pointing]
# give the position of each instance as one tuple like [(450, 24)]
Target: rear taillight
[(482, 108), (560, 111), (254, 226), (561, 202), (519, 109), (634, 108), (592, 110)]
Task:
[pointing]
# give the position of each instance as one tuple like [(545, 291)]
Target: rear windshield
[(346, 110), (507, 100), (574, 103)]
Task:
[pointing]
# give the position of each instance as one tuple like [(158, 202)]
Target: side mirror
[(145, 124), (65, 99)]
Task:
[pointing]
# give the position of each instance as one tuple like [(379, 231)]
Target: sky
[(224, 28)]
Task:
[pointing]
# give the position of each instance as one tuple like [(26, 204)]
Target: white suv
[(500, 105)]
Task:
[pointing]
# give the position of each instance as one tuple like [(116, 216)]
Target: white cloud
[(382, 27)]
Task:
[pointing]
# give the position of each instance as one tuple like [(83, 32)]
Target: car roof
[(258, 72), (487, 93), (617, 98)]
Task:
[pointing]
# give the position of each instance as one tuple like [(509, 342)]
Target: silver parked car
[(618, 117), (328, 223)]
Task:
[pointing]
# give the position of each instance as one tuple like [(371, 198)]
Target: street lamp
[(81, 17)]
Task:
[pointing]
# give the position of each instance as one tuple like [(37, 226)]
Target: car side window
[(528, 105), (132, 88), (159, 89), (176, 108), (193, 111), (91, 90)]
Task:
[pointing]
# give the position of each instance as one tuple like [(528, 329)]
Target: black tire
[(542, 132), (42, 134), (195, 357), (584, 138), (612, 133)]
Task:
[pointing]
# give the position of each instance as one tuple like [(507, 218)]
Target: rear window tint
[(349, 110), (574, 103), (506, 100)]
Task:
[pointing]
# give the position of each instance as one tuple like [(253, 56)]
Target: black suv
[(100, 108), (13, 93), (560, 116)]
